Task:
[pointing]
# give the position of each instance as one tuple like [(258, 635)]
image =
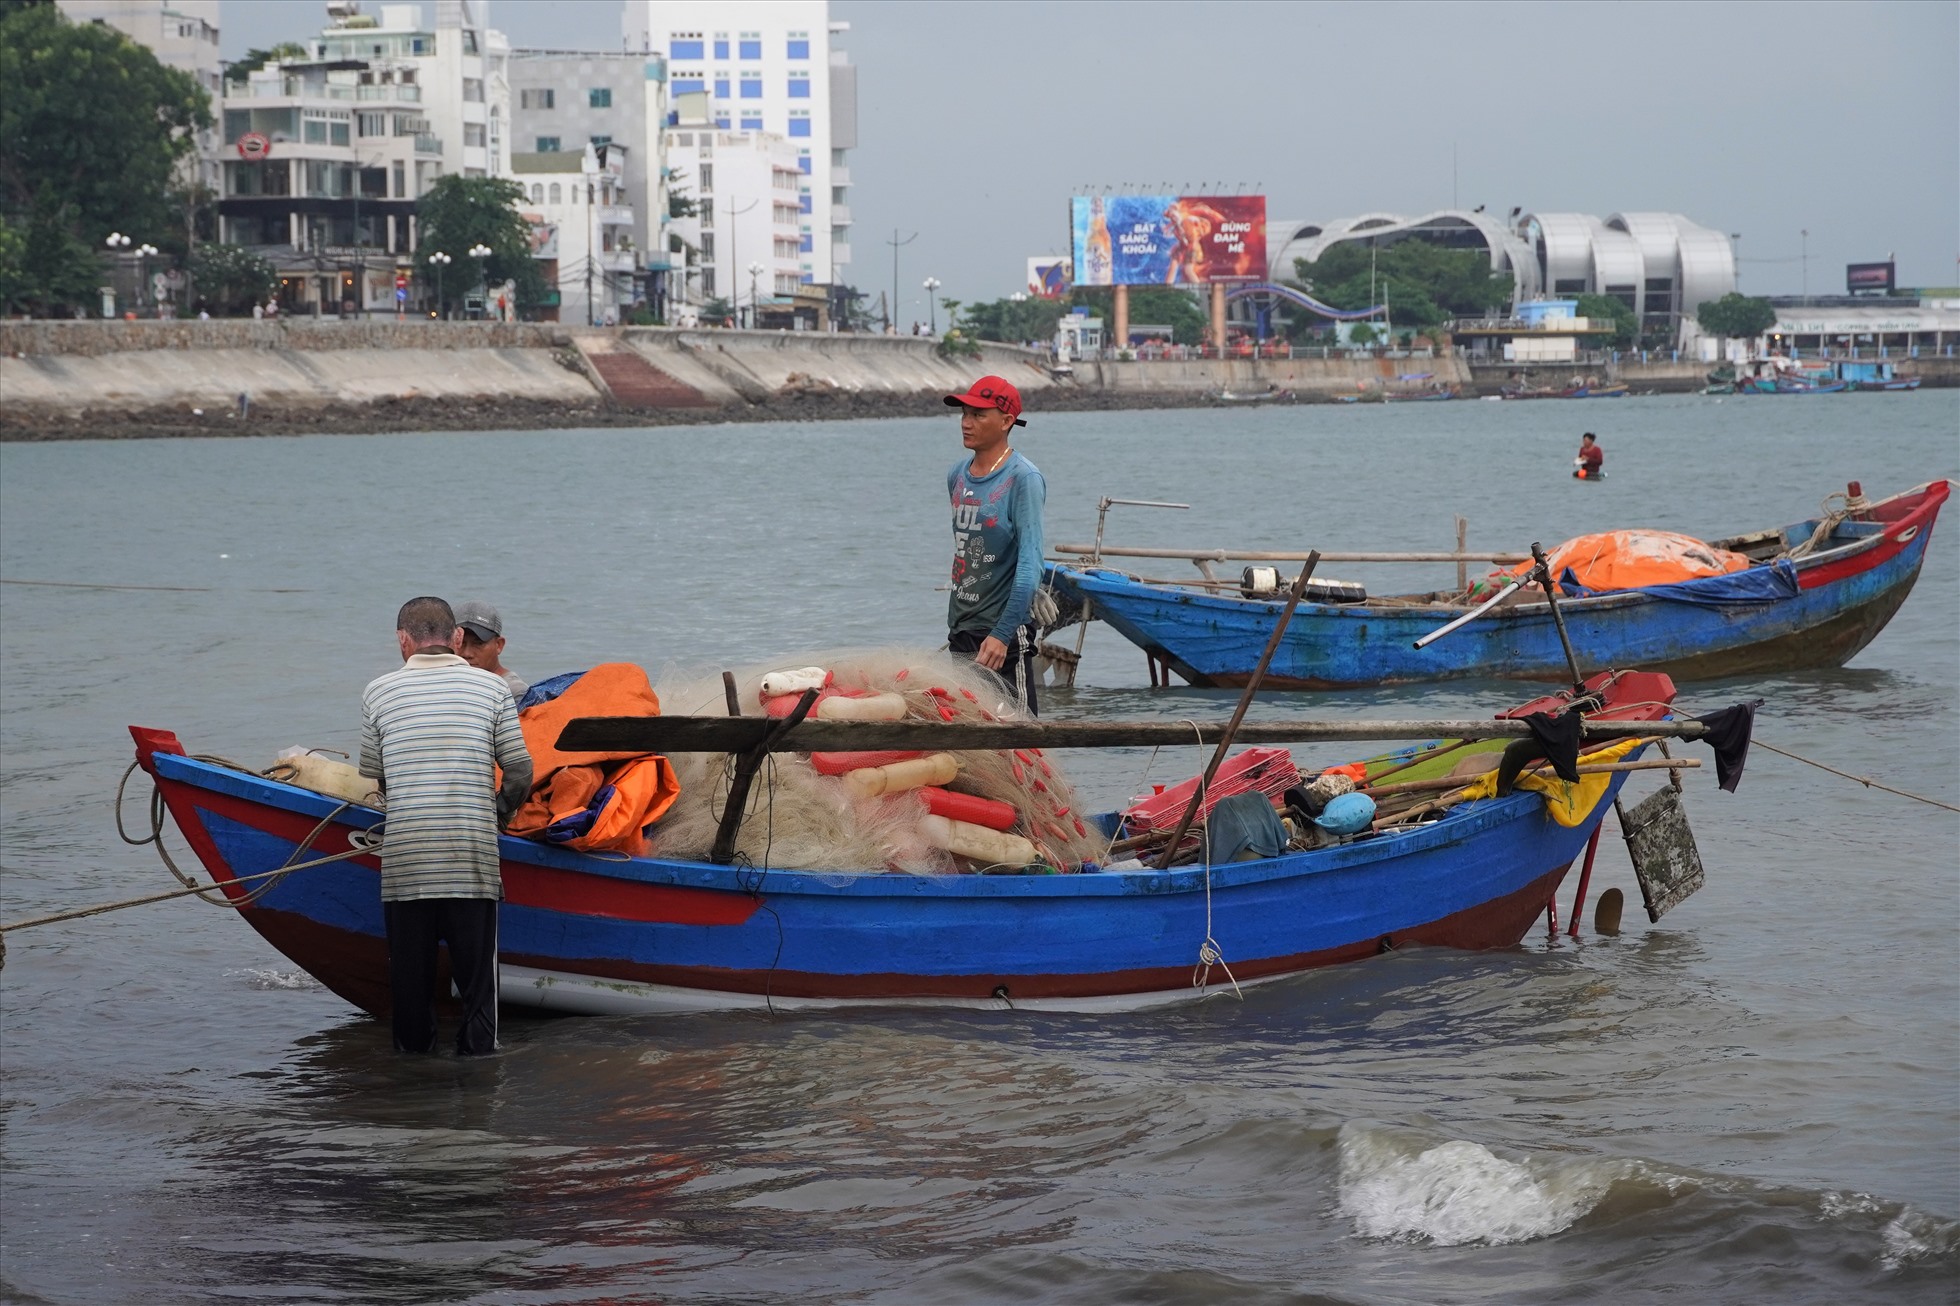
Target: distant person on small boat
[(1591, 460), (433, 732), (997, 498), (483, 644)]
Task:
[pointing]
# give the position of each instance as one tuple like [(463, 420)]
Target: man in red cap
[(997, 498)]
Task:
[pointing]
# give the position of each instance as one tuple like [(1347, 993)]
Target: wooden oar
[(695, 734)]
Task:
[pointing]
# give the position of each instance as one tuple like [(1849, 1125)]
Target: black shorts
[(1020, 658)]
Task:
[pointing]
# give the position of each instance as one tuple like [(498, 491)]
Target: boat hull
[(591, 935), (1843, 598)]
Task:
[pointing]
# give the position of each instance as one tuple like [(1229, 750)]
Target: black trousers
[(1020, 650), (415, 927)]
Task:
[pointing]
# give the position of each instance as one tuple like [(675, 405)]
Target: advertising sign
[(544, 236), (1869, 276), (1048, 276), (1167, 240)]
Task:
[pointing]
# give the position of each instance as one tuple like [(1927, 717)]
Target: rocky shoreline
[(388, 416)]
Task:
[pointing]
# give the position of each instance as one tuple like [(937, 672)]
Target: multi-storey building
[(582, 217), (462, 66), (565, 100), (182, 34), (325, 163), (748, 226), (762, 68)]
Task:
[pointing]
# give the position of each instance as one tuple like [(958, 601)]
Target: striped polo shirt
[(432, 733)]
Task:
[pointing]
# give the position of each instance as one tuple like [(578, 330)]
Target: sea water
[(1757, 1099)]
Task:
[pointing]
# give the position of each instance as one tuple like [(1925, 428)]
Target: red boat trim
[(577, 893)]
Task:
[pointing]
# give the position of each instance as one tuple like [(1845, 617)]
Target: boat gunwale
[(1187, 593), (1465, 821)]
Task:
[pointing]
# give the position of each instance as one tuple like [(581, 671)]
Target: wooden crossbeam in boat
[(1235, 555), (698, 734)]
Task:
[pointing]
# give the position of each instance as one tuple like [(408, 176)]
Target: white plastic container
[(327, 775), (794, 682)]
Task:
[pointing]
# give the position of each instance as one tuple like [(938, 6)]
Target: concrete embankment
[(84, 379)]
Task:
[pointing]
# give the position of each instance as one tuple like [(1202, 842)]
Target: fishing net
[(801, 819)]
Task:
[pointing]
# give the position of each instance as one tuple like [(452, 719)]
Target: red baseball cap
[(990, 392)]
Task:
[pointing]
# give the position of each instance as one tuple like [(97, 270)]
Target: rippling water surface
[(1757, 1099)]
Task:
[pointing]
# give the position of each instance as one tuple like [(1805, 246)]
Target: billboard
[(1048, 276), (1869, 276), (1167, 240), (544, 236)]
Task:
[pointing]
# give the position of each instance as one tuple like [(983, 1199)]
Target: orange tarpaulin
[(1625, 560), (568, 785)]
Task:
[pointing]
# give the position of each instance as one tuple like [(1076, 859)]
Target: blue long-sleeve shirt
[(996, 546)]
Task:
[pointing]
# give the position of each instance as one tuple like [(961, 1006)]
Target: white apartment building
[(182, 34), (749, 227), (581, 210), (765, 68), (565, 100), (462, 66)]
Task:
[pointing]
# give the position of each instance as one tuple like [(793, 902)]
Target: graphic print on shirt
[(972, 564)]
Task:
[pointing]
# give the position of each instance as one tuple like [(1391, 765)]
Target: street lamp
[(439, 261), (117, 243), (1805, 233), (755, 270), (932, 285), (480, 252)]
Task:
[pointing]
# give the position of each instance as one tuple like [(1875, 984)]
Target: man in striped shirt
[(431, 733)]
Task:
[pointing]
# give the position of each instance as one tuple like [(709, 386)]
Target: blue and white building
[(764, 69)]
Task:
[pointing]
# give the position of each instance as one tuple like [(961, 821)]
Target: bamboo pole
[(1238, 713), (689, 734), (1237, 555)]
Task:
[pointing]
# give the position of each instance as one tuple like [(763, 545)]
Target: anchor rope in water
[(1866, 781), (363, 843)]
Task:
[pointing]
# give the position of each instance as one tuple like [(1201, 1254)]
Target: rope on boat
[(1209, 954), (363, 843), (1866, 781)]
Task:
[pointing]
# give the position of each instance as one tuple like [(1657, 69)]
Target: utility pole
[(735, 257), (891, 325)]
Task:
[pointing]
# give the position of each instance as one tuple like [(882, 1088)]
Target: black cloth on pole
[(1559, 737), (1728, 735)]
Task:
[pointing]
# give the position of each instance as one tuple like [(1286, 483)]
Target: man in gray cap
[(483, 644)]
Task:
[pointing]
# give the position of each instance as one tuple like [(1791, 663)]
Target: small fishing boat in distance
[(1811, 594)]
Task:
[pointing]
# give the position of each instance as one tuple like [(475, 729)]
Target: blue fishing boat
[(594, 934), (1786, 385), (1816, 593)]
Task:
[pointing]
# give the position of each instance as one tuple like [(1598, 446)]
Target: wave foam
[(1456, 1192), (262, 978)]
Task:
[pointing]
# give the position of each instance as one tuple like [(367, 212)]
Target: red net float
[(988, 812)]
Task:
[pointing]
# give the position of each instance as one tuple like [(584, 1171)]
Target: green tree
[(93, 127), (680, 204), (230, 278), (1424, 285), (1737, 316), (14, 279), (60, 270), (717, 312), (241, 70), (1152, 305), (1014, 321), (459, 213), (1626, 326)]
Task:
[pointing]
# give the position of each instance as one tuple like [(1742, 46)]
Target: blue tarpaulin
[(1753, 587)]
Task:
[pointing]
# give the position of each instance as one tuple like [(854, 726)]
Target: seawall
[(82, 379)]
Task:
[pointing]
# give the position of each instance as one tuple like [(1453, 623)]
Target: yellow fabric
[(1569, 804)]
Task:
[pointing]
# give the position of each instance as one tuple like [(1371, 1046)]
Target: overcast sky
[(978, 118)]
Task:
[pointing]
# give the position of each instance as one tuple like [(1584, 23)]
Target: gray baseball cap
[(480, 619)]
